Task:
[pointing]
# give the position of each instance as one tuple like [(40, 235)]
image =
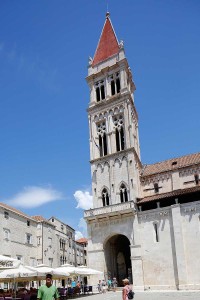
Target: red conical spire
[(108, 44)]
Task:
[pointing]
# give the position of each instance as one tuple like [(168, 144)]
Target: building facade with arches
[(144, 222)]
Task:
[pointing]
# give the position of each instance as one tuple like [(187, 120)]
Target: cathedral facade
[(145, 220)]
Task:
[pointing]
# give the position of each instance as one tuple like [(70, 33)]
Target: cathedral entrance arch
[(118, 258)]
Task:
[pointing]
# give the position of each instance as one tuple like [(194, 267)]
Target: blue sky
[(44, 50)]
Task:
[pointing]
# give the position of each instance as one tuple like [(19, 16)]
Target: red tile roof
[(108, 44), (39, 218), (82, 241), (163, 196), (14, 210), (171, 164)]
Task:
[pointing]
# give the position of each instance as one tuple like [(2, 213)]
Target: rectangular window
[(39, 240), (28, 238), (6, 233), (156, 188), (196, 178), (6, 215)]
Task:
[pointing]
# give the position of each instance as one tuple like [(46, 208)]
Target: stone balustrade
[(121, 208)]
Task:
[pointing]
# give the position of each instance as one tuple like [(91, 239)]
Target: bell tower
[(113, 234), (113, 123)]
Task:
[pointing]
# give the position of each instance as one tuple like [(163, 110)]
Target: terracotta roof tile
[(39, 218), (82, 241), (108, 44), (171, 164), (6, 206), (175, 193)]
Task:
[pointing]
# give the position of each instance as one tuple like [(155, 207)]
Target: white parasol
[(43, 269), (8, 262), (18, 274), (78, 270)]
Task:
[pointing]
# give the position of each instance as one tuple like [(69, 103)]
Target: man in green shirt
[(48, 291)]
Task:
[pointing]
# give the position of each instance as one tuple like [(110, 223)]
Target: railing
[(110, 209)]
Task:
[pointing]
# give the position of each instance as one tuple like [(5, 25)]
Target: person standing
[(48, 291), (114, 284), (109, 282), (100, 286), (126, 289)]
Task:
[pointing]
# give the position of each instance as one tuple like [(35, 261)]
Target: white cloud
[(78, 235), (34, 196), (84, 199)]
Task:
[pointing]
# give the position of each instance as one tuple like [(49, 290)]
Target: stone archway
[(118, 258)]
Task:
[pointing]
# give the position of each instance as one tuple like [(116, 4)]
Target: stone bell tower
[(114, 157), (113, 122)]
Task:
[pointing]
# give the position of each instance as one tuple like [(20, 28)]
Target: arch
[(99, 166), (117, 160), (118, 257), (121, 108), (123, 193), (116, 110), (111, 112), (105, 197), (106, 164), (96, 118), (101, 116), (125, 158)]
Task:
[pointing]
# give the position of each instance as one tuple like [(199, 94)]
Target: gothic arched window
[(100, 90), (105, 197), (119, 132), (101, 131), (115, 84), (123, 194)]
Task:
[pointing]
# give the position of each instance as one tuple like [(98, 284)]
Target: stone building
[(36, 240), (83, 242), (145, 221)]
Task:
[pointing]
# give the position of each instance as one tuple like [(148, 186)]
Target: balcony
[(116, 209)]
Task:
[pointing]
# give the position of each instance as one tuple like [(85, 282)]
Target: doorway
[(118, 258)]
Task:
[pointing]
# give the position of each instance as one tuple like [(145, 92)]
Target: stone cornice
[(107, 69), (111, 102), (104, 159)]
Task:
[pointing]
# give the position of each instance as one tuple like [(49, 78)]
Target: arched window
[(101, 131), (100, 90), (119, 132), (115, 83), (123, 194), (105, 197)]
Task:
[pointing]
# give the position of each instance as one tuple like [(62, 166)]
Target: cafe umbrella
[(7, 262)]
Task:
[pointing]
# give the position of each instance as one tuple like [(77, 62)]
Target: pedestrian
[(114, 284), (103, 286), (99, 286), (127, 292), (48, 291), (109, 282)]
